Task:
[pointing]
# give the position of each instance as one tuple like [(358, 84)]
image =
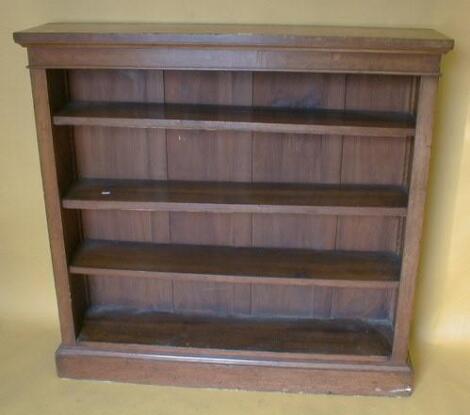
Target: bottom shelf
[(301, 338)]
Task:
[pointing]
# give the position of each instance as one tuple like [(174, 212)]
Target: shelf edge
[(317, 129), (70, 203), (240, 279)]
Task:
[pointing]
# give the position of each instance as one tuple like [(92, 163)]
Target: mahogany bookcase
[(235, 206)]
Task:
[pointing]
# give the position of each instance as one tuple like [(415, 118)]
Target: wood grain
[(414, 223), (139, 366), (178, 116), (226, 263), (316, 377), (240, 206), (340, 337), (57, 172), (232, 34), (235, 197)]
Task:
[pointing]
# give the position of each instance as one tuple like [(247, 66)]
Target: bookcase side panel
[(415, 216), (49, 89)]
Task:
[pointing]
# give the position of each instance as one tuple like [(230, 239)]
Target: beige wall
[(443, 310)]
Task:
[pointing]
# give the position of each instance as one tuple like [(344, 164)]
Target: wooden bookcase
[(235, 206)]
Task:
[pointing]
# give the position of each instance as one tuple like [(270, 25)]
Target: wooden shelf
[(208, 117), (261, 265), (290, 337), (236, 197)]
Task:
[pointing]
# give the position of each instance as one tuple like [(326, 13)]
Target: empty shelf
[(211, 117), (236, 197), (304, 336), (262, 265)]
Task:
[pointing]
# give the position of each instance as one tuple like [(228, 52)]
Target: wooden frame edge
[(415, 216), (77, 362), (235, 59)]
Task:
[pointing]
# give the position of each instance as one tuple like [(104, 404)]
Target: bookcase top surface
[(317, 37)]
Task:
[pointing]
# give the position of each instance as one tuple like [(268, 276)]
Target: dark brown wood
[(357, 38), (414, 223), (235, 205), (235, 197), (259, 264), (250, 59), (290, 337), (195, 294), (178, 116), (236, 47), (57, 174), (138, 367)]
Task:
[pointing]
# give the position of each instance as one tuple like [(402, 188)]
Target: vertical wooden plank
[(298, 90), (294, 231), (212, 297), (124, 225), (118, 225), (131, 292), (415, 216), (281, 301), (211, 229), (210, 156), (56, 220), (367, 233), (122, 153), (119, 152), (295, 158), (160, 224), (322, 301), (208, 87), (121, 291), (360, 303), (375, 160)]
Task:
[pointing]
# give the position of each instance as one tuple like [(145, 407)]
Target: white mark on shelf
[(395, 391), (106, 192), (401, 390)]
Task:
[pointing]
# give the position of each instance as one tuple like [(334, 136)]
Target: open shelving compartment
[(217, 222), (210, 236)]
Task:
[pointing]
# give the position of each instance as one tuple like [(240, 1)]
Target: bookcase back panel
[(132, 153), (236, 156), (243, 156), (375, 160), (261, 230), (250, 300), (277, 158), (209, 155), (118, 152), (321, 232), (128, 153), (121, 153), (128, 85)]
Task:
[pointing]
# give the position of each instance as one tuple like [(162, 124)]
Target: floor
[(28, 385)]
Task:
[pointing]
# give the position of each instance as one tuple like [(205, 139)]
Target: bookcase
[(235, 206)]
